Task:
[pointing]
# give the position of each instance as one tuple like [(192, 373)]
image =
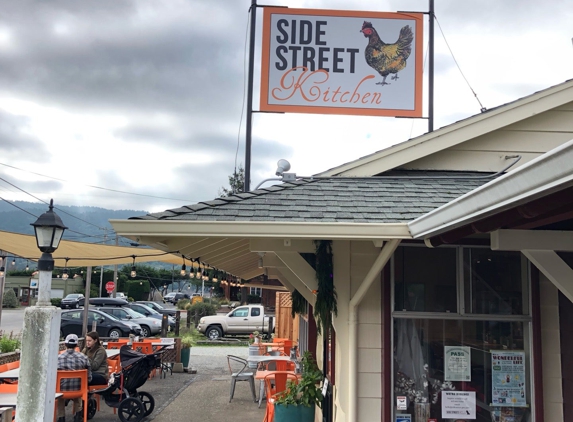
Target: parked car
[(105, 301), (120, 295), (157, 307), (149, 326), (106, 325), (242, 320), (151, 313), (72, 301), (174, 297)]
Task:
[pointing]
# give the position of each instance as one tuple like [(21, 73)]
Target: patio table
[(9, 399), (11, 374)]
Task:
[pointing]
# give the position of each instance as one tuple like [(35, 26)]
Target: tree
[(236, 182)]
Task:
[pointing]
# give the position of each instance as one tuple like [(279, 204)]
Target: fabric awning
[(82, 254)]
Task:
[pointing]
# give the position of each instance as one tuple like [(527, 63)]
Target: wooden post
[(177, 321), (5, 414)]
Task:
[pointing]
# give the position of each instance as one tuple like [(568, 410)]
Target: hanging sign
[(508, 378), (342, 62), (458, 404), (457, 363)]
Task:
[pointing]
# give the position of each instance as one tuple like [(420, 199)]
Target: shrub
[(10, 300), (56, 301), (254, 299), (182, 304), (9, 343), (200, 309), (224, 301)]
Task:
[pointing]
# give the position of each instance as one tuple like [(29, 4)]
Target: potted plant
[(186, 343), (298, 402)]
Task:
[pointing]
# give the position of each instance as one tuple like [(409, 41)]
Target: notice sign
[(457, 363), (458, 404), (508, 378), (404, 418), (401, 402), (341, 62)]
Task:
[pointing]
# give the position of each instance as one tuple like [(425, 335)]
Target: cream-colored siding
[(529, 138), (352, 262), (550, 352)]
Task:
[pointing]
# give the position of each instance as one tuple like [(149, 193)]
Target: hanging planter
[(299, 303), (326, 304)]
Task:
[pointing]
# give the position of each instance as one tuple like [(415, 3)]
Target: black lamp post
[(49, 230)]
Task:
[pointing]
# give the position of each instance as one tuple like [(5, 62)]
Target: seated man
[(71, 360)]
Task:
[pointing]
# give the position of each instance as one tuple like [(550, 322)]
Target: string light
[(65, 272), (13, 261), (133, 271), (27, 266), (183, 268)]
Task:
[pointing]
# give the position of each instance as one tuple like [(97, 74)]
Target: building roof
[(398, 197)]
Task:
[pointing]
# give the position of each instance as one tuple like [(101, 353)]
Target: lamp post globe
[(49, 230)]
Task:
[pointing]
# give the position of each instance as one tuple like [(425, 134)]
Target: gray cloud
[(15, 142)]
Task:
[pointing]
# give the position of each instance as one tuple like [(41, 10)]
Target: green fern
[(326, 298)]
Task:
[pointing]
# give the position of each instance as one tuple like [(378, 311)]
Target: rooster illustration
[(387, 58)]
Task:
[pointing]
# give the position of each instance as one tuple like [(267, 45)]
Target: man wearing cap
[(71, 360)]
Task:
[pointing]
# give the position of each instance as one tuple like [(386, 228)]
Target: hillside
[(85, 224)]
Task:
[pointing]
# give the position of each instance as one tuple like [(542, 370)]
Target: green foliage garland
[(298, 303), (326, 297)]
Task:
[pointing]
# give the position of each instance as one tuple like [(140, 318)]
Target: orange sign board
[(342, 62)]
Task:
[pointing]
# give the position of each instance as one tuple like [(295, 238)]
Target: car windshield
[(154, 305), (133, 314), (146, 308), (73, 296)]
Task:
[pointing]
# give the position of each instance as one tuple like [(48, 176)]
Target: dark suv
[(175, 297), (72, 301)]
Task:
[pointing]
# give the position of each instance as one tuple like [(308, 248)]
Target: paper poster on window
[(458, 404), (508, 378), (404, 418), (457, 363), (33, 283)]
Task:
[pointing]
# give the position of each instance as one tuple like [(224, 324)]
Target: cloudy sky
[(137, 104)]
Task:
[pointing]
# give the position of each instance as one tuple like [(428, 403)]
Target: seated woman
[(98, 359)]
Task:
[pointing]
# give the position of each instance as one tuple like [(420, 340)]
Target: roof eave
[(261, 229)]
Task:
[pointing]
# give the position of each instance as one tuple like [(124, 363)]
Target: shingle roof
[(398, 197)]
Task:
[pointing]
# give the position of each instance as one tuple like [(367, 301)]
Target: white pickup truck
[(241, 320)]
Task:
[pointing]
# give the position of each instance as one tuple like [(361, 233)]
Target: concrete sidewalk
[(206, 398)]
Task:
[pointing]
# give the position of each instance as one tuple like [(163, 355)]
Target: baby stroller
[(121, 391)]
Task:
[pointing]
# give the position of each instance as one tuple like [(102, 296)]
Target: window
[(425, 279), (255, 311), (242, 312), (475, 319), (256, 291)]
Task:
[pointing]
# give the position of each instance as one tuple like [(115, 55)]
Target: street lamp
[(41, 330)]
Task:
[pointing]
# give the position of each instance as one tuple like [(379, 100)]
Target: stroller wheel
[(148, 402), (130, 409), (92, 407)]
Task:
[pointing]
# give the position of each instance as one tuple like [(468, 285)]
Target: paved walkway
[(203, 396)]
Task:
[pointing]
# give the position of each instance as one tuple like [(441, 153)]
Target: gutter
[(373, 274), (544, 175)]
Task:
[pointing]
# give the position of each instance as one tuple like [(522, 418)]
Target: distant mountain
[(85, 224)]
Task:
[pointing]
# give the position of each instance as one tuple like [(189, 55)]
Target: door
[(25, 299), (238, 321), (256, 320)]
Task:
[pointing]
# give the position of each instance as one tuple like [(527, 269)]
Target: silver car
[(149, 326)]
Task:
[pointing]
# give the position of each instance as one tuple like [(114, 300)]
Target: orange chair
[(117, 344), (275, 385), (82, 393), (144, 347), (8, 388), (13, 365)]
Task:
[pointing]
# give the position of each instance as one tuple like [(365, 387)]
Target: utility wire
[(482, 108), (98, 187)]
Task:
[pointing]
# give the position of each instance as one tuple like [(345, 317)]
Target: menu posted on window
[(457, 363), (508, 378)]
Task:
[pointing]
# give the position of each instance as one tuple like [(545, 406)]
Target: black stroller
[(121, 392)]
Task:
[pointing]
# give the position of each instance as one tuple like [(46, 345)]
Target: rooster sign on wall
[(385, 58)]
